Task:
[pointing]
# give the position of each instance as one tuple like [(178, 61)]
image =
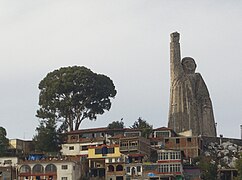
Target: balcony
[(129, 148)]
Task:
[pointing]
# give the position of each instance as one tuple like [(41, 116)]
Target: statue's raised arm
[(175, 57)]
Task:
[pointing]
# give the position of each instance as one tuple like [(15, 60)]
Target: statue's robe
[(190, 104)]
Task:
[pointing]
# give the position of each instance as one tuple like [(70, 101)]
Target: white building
[(49, 169)]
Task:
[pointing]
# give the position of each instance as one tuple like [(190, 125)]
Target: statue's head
[(189, 65)]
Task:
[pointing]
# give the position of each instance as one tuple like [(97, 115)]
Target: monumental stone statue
[(190, 104)]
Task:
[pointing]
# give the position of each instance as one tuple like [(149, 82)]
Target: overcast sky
[(127, 40)]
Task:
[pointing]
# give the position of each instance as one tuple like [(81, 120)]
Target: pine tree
[(46, 139)]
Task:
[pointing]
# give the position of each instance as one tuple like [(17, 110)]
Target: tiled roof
[(163, 128), (101, 129)]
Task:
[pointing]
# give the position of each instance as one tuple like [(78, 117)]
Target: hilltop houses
[(114, 154)]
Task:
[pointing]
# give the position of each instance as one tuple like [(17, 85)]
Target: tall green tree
[(46, 139), (4, 142), (145, 127), (239, 167), (208, 169), (72, 94), (116, 125)]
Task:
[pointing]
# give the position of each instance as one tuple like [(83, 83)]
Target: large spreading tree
[(72, 94)]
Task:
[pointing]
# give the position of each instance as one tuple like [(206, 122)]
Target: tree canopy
[(116, 125), (239, 167), (72, 94), (208, 167), (145, 127), (4, 142), (47, 139)]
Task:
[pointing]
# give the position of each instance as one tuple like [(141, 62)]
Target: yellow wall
[(91, 153), (13, 143)]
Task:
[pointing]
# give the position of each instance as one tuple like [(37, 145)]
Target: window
[(178, 167), (104, 150), (128, 169), (110, 150), (166, 155), (163, 156), (110, 160), (71, 148), (138, 169), (132, 134), (166, 140), (50, 168), (133, 143), (64, 167), (7, 162), (86, 135), (119, 168), (171, 167), (98, 151), (173, 155), (161, 168), (125, 143), (64, 178), (73, 137), (98, 135), (175, 168), (25, 169), (164, 168), (159, 156), (177, 141), (38, 168), (189, 139), (110, 168), (178, 155), (154, 143), (83, 158), (162, 134), (84, 148)]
